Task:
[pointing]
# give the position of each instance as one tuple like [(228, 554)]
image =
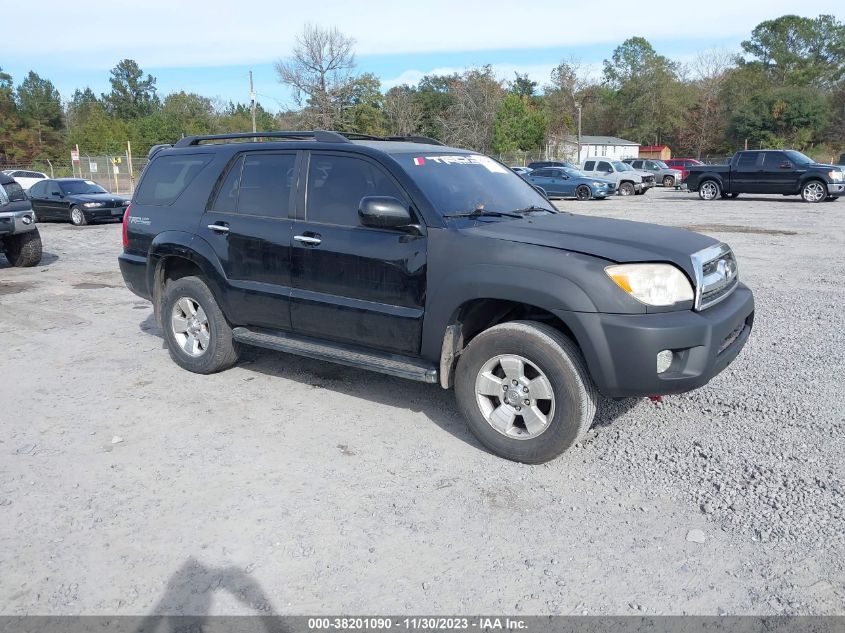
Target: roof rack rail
[(320, 136), (414, 139), (156, 148)]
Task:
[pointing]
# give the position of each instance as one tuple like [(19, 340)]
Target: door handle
[(219, 228), (310, 241)]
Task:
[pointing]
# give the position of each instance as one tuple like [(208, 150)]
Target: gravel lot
[(129, 486)]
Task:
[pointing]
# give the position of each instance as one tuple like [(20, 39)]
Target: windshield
[(463, 183), (72, 187), (623, 166), (661, 164), (798, 158), (575, 173)]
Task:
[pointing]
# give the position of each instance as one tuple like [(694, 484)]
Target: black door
[(48, 201), (350, 282), (747, 173), (37, 198), (779, 174), (249, 227)]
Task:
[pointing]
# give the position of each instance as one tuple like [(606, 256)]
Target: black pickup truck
[(786, 172), (409, 258)]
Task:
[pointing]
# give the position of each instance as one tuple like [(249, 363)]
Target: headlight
[(653, 284), (93, 205), (598, 184), (835, 175)]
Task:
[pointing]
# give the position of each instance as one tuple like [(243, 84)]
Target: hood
[(98, 197), (620, 241)]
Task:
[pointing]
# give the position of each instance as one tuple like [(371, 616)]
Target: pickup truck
[(786, 172), (432, 263), (19, 237)]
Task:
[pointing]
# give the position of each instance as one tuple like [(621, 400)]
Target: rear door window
[(167, 177), (747, 160), (258, 184)]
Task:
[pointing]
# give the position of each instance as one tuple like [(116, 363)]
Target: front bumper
[(621, 349), (14, 222), (104, 213), (836, 189)]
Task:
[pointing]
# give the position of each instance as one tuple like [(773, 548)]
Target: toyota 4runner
[(437, 264)]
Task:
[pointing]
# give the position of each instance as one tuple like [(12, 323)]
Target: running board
[(382, 362)]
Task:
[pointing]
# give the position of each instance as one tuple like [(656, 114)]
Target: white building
[(605, 146)]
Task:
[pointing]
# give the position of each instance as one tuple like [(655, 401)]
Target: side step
[(382, 362)]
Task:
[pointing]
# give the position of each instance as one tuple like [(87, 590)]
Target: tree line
[(785, 89)]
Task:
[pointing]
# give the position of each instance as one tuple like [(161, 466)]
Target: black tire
[(583, 192), (23, 250), (221, 352), (626, 189), (709, 190), (668, 181), (831, 199), (556, 356), (641, 192), (814, 191), (734, 196), (77, 216)]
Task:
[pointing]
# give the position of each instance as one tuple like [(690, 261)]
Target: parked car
[(682, 165), (20, 240), (522, 171), (649, 180), (25, 177), (431, 263), (786, 172), (551, 163), (565, 182), (75, 200), (627, 181), (662, 173)]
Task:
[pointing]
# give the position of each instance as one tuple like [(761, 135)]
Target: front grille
[(716, 273)]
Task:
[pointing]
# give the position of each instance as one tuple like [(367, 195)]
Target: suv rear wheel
[(525, 392), (198, 336)]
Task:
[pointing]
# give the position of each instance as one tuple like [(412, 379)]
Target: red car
[(682, 164)]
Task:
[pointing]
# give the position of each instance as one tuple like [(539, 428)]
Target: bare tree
[(468, 122), (705, 120), (320, 72), (402, 112)]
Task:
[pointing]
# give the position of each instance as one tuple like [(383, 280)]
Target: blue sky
[(209, 47)]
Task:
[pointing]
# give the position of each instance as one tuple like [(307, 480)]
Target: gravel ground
[(284, 485)]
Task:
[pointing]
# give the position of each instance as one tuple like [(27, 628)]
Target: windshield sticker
[(90, 182), (463, 159)]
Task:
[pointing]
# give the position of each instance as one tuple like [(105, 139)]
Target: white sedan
[(24, 177)]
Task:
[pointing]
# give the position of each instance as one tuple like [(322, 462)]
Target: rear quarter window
[(168, 176)]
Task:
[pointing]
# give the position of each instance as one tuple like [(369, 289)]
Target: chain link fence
[(112, 172)]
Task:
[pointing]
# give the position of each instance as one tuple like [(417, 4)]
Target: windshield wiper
[(534, 208), (482, 213)]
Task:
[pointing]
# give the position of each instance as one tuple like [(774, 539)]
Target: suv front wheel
[(198, 336), (525, 392)]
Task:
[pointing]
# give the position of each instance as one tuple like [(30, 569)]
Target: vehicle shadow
[(46, 260), (437, 404), (189, 595)]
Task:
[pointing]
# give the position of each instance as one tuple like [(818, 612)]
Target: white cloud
[(540, 73), (167, 33)]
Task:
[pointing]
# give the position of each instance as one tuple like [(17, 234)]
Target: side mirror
[(383, 212)]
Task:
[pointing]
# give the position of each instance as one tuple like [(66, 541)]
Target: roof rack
[(320, 136)]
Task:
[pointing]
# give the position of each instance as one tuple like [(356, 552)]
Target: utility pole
[(578, 160), (252, 100)]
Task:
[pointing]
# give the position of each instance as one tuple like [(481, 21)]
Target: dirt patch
[(733, 228), (86, 285), (13, 288)]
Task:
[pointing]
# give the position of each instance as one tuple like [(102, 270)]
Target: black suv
[(432, 263)]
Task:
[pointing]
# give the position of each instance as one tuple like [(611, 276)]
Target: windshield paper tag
[(472, 159)]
